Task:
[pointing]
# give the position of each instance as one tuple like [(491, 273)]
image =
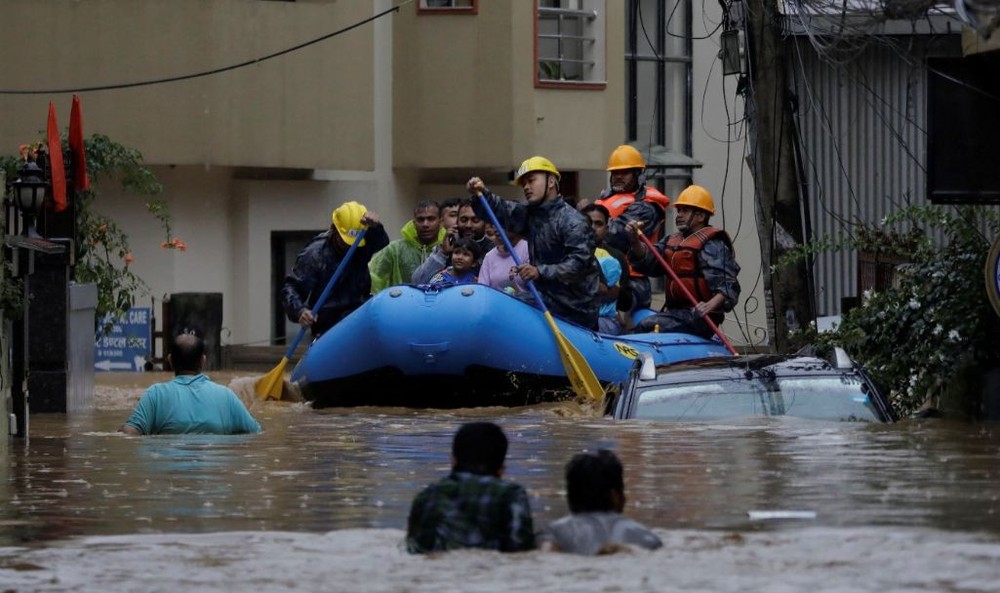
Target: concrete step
[(258, 358)]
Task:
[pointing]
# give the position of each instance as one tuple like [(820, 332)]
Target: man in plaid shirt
[(473, 507)]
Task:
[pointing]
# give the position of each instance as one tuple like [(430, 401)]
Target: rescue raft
[(464, 346)]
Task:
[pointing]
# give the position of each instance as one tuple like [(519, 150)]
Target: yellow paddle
[(271, 385), (579, 373)]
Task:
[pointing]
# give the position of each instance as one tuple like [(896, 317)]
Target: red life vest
[(617, 203), (682, 254)]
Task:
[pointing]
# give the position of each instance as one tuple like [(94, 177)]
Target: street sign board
[(993, 276), (126, 346)]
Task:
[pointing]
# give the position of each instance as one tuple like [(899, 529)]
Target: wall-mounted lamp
[(29, 191)]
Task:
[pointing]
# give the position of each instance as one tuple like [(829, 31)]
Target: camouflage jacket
[(561, 245), (467, 510), (314, 267), (649, 213), (716, 263)]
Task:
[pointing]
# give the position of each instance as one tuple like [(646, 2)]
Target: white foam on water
[(822, 559)]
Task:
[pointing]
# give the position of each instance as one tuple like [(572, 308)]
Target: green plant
[(11, 288), (552, 70), (103, 254), (936, 322), (11, 294)]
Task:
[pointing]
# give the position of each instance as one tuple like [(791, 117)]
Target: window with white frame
[(447, 6), (570, 42)]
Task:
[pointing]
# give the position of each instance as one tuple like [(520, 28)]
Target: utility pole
[(780, 221)]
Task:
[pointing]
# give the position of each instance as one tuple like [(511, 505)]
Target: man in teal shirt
[(191, 403), (395, 264)]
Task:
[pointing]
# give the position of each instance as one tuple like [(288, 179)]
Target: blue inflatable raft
[(463, 346)]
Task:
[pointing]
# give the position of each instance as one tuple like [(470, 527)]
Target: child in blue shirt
[(464, 255)]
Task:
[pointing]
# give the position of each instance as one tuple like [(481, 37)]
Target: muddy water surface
[(869, 495)]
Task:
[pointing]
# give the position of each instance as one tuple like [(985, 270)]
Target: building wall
[(453, 87), (465, 95), (310, 108), (394, 111), (220, 144), (226, 225), (576, 129)]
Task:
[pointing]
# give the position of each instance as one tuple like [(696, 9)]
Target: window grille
[(567, 44)]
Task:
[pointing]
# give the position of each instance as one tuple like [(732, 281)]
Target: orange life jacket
[(682, 254), (617, 203)]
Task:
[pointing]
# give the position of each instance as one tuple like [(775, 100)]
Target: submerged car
[(752, 385)]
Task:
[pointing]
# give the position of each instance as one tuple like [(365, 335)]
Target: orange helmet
[(696, 196), (625, 157)]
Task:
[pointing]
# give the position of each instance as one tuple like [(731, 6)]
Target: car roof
[(751, 367), (725, 365)]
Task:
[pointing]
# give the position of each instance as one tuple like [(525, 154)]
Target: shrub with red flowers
[(174, 243), (103, 254)]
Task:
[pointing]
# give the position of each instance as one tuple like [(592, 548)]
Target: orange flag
[(56, 162), (80, 180)]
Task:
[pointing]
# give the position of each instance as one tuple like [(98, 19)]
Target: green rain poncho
[(395, 264)]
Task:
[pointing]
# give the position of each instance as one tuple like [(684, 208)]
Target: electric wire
[(213, 71), (897, 122), (735, 131), (739, 126)]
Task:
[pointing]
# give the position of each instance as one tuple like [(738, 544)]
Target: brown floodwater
[(317, 471)]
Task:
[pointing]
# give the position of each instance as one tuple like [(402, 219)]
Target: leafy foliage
[(103, 255), (552, 70), (11, 292), (936, 321), (11, 289)]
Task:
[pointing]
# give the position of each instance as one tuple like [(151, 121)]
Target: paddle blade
[(581, 376), (271, 385)]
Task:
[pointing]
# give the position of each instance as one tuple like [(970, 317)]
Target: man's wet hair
[(425, 204), (469, 244), (479, 448), (451, 203), (591, 478), (187, 349), (595, 207)]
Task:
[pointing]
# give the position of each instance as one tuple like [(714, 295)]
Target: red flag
[(56, 162), (80, 180)]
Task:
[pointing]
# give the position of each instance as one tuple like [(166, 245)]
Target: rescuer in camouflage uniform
[(318, 261), (560, 241), (702, 258)]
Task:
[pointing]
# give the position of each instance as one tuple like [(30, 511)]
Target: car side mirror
[(841, 359), (647, 372)]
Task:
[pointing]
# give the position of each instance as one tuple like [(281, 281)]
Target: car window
[(830, 397)]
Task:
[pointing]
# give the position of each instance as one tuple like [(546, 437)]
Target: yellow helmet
[(347, 219), (535, 163), (625, 157), (696, 196)]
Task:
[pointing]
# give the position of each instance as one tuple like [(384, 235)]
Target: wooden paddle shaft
[(687, 293)]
